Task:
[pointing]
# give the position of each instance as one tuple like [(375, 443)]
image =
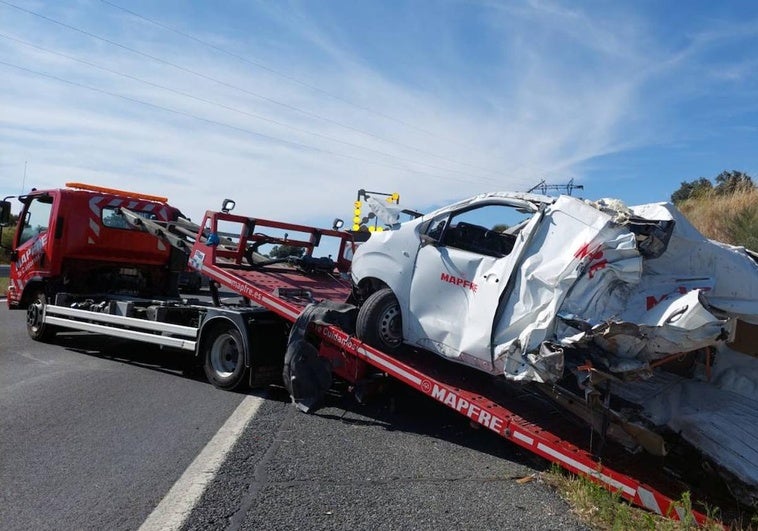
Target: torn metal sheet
[(515, 284), (713, 416)]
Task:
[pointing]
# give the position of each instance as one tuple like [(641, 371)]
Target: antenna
[(544, 187), (23, 183)]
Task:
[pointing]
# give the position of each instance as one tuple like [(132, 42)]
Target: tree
[(727, 183), (730, 182), (688, 190), (283, 251), (8, 232)]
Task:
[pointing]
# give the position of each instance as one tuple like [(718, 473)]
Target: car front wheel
[(379, 322)]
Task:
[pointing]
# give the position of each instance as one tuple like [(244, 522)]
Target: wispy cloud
[(549, 89)]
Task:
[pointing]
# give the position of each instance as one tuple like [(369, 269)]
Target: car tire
[(380, 323), (224, 357)]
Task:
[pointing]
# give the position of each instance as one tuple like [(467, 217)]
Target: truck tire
[(379, 322), (224, 357), (38, 330)]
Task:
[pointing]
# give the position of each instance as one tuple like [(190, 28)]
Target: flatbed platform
[(517, 414)]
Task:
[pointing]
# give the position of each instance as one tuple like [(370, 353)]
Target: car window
[(484, 230), (436, 227)]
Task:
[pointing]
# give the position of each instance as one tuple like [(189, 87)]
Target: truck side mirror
[(5, 212)]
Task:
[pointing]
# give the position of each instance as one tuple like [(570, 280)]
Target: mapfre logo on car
[(458, 281)]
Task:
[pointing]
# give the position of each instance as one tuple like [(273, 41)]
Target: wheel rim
[(224, 356), (34, 315), (390, 326)]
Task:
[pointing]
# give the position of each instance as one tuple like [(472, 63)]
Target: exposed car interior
[(478, 239)]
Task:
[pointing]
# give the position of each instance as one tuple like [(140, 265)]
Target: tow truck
[(87, 258)]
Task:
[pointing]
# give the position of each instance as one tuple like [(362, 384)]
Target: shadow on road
[(144, 355), (393, 406), (397, 407)]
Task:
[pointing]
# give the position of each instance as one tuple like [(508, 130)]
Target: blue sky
[(291, 107)]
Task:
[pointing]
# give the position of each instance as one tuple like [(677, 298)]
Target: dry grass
[(3, 286), (730, 218), (600, 509)]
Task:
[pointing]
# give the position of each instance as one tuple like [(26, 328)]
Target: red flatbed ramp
[(518, 416), (528, 421)]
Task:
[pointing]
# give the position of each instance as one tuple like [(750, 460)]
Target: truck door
[(461, 270), (31, 243)]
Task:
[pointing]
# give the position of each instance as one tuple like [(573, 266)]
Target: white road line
[(176, 506)]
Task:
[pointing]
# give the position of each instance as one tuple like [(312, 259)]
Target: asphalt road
[(93, 437), (5, 270), (400, 462)]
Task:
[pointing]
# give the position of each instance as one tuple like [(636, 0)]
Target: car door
[(460, 273), (32, 255)]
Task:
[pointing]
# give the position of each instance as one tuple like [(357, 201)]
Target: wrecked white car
[(594, 298)]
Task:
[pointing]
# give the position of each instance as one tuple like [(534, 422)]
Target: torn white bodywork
[(626, 287)]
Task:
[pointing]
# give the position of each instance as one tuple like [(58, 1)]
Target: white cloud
[(550, 111)]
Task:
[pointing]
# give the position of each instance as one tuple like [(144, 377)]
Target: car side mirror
[(428, 240), (5, 212)]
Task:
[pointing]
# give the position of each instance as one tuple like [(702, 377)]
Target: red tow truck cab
[(75, 238)]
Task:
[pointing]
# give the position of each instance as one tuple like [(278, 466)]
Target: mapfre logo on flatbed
[(463, 406)]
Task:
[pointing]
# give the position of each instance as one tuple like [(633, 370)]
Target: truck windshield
[(36, 218)]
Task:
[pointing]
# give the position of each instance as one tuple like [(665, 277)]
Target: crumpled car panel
[(599, 294), (585, 281)]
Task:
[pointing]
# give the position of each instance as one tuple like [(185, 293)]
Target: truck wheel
[(38, 330), (224, 355), (379, 322)]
